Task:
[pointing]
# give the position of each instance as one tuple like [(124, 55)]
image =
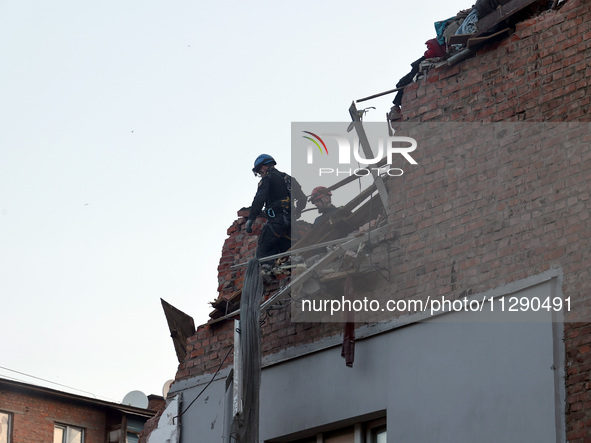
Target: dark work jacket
[(325, 214), (335, 218), (273, 194)]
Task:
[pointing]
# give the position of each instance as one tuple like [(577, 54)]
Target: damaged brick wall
[(211, 342), (238, 248)]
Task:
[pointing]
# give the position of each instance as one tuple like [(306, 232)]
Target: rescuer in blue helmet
[(282, 196), (262, 160)]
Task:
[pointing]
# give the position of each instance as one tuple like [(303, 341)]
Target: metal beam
[(380, 94), (294, 251), (378, 180)]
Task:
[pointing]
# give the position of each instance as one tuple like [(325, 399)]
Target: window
[(5, 424), (68, 434), (378, 434), (134, 427), (362, 432)]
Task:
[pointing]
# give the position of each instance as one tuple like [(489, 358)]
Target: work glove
[(249, 227)]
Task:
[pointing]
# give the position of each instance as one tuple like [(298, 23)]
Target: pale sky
[(128, 130)]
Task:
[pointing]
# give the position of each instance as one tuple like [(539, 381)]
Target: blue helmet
[(263, 159)]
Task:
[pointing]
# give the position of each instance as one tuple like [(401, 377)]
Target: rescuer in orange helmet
[(321, 198)]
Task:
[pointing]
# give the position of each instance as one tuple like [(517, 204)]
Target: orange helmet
[(318, 192)]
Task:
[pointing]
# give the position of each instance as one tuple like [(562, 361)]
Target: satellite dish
[(136, 398), (166, 388)]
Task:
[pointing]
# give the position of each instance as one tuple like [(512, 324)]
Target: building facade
[(497, 213), (35, 414)]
